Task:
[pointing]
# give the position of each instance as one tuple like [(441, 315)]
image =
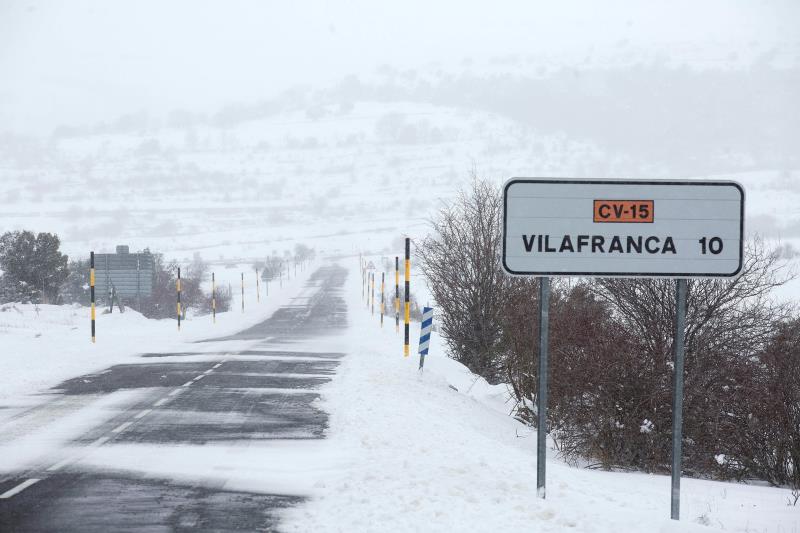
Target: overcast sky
[(71, 61)]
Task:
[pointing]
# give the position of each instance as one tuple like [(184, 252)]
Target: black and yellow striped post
[(242, 292), (91, 293), (213, 298), (408, 296), (396, 294), (382, 296), (178, 305), (258, 289)]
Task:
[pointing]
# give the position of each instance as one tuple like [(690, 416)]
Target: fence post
[(408, 296), (425, 334), (91, 293)]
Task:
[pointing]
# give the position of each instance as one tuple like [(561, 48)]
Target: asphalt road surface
[(264, 391)]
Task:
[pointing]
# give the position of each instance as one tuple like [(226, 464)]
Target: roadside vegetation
[(611, 353)]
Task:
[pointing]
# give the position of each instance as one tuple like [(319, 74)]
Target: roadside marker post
[(258, 289), (396, 294), (372, 293), (213, 299), (91, 294), (621, 228), (382, 296), (425, 334), (178, 306), (408, 295), (242, 292)]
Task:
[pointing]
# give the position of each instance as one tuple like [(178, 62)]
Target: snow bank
[(425, 457)]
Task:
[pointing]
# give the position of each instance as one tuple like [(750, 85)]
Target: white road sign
[(631, 228)]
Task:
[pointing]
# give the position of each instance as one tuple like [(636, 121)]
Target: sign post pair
[(677, 229)]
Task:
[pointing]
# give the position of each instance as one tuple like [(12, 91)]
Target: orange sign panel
[(631, 211)]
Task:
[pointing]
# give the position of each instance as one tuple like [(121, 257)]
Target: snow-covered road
[(164, 441)]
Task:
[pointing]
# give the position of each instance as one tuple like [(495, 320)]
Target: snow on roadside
[(425, 457)]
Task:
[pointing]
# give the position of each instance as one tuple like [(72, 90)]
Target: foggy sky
[(81, 61)]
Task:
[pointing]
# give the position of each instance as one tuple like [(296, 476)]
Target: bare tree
[(461, 261)]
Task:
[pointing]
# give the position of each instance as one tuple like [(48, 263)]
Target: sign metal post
[(541, 403), (677, 397)]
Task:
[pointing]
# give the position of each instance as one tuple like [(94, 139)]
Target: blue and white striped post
[(425, 334)]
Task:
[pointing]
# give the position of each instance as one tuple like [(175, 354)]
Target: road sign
[(130, 275), (675, 229)]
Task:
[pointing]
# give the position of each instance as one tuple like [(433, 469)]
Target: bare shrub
[(461, 260)]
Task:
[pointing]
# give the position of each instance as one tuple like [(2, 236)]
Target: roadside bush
[(33, 267), (75, 289), (611, 346)]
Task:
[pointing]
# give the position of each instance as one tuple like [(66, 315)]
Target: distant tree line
[(33, 270), (611, 353)]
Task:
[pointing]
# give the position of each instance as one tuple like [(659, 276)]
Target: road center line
[(198, 378), (19, 488), (61, 464), (122, 427), (207, 372), (143, 413), (217, 365), (187, 384), (99, 442), (160, 402), (173, 393)]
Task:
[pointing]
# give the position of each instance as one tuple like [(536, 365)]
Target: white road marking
[(122, 427), (61, 464), (207, 372), (160, 402), (99, 442), (143, 413), (176, 391), (187, 384), (198, 378), (19, 488), (217, 365)]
